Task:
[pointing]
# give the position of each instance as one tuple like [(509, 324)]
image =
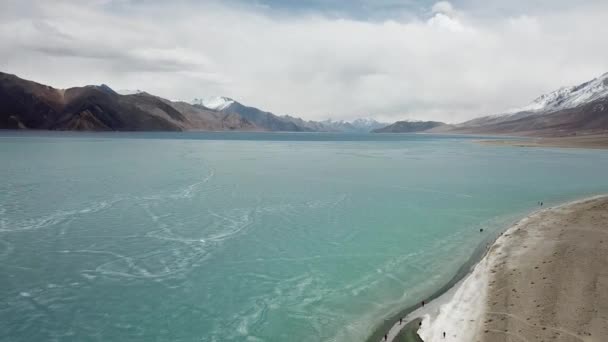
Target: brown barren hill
[(29, 105)]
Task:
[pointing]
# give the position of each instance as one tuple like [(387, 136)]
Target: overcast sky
[(339, 59)]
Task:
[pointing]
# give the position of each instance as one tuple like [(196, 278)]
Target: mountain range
[(581, 109), (273, 122), (29, 105), (409, 127), (256, 116)]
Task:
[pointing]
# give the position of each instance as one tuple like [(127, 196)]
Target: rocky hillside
[(29, 105), (574, 110), (261, 118), (581, 109)]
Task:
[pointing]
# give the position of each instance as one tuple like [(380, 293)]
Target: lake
[(251, 236)]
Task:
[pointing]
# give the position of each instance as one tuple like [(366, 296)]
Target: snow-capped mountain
[(216, 102), (361, 125), (262, 119), (568, 97), (581, 109), (130, 91), (273, 122), (367, 124), (562, 99)]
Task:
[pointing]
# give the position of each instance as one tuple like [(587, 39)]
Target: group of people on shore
[(539, 203), (419, 323)]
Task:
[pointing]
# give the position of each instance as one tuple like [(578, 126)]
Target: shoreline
[(508, 295), (446, 293), (413, 312), (595, 141)]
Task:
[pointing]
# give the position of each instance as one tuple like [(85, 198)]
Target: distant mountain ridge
[(273, 122), (29, 105), (265, 120), (361, 125), (580, 109), (568, 97), (409, 127)]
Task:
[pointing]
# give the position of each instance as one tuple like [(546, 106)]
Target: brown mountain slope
[(590, 118), (30, 105)]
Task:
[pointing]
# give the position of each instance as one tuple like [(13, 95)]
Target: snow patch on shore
[(461, 317), (459, 312)]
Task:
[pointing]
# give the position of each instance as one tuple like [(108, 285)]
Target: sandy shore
[(584, 141), (544, 279), (405, 331)]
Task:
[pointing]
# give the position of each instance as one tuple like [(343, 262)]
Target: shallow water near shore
[(249, 236)]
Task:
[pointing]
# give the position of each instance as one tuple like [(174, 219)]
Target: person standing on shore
[(422, 303), (444, 334)]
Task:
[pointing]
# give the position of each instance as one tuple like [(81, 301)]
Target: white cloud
[(452, 65), (443, 21), (443, 7)]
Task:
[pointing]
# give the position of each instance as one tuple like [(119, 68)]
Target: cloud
[(443, 7), (449, 64), (444, 21)]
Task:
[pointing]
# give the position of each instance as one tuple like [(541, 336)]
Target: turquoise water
[(251, 237)]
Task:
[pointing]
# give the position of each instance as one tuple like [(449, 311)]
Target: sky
[(340, 59)]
